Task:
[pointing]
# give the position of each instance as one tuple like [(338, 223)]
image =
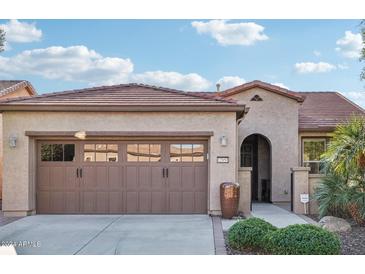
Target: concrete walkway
[(112, 234), (273, 214)]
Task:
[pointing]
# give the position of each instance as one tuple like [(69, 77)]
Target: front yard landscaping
[(351, 242), (256, 236)]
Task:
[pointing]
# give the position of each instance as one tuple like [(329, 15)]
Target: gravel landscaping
[(352, 243)]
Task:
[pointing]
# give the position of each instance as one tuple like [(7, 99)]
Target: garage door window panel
[(187, 153), (100, 153), (57, 152), (143, 152)]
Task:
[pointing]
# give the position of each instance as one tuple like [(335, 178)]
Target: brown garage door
[(122, 177)]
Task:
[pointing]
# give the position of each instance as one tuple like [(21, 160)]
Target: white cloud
[(78, 63), (225, 33), (75, 63), (357, 96), (227, 82), (190, 81), (280, 85), (21, 32), (310, 67), (317, 53), (350, 45), (342, 66)]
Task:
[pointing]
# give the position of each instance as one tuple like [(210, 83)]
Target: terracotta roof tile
[(121, 95), (319, 111), (324, 110), (8, 86), (263, 85)]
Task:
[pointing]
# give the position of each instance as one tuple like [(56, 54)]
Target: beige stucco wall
[(18, 93), (244, 180), (300, 186), (276, 117), (19, 163), (314, 180)]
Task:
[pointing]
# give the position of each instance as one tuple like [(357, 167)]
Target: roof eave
[(236, 90), (23, 84), (118, 108), (317, 129)]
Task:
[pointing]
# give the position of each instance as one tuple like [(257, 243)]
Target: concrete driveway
[(111, 234)]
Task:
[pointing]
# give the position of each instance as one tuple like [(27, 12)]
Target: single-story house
[(12, 89), (136, 148)]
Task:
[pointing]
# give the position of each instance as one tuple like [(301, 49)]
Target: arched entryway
[(256, 153)]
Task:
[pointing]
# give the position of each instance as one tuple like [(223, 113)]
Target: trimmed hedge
[(302, 240), (249, 233)]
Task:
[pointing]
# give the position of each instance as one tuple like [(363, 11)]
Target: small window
[(143, 152), (186, 153), (312, 151), (57, 152), (256, 98), (100, 153)]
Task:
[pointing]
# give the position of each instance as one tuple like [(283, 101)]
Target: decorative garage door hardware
[(122, 177), (79, 172)]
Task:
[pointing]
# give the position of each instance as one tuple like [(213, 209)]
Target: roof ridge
[(19, 84), (74, 91), (349, 101), (185, 93), (55, 93), (270, 87)]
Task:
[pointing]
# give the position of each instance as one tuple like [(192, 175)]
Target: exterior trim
[(318, 129), (121, 133), (122, 108), (27, 85), (265, 86)]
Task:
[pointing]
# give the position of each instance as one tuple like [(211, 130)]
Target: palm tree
[(345, 154), (343, 190)]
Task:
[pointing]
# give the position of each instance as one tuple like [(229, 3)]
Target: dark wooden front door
[(102, 177)]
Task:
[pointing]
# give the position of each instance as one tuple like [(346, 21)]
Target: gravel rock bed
[(353, 242)]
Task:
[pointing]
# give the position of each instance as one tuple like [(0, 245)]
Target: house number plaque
[(223, 159)]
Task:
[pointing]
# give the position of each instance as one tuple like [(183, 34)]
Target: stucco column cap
[(301, 168), (245, 169)]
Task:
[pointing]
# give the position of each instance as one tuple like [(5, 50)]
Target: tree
[(362, 58), (346, 152), (343, 189), (2, 39)]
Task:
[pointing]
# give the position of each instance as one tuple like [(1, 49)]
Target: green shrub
[(333, 195), (249, 233), (302, 240)]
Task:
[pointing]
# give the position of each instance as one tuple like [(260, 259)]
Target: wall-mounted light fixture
[(80, 135), (223, 141), (12, 141)]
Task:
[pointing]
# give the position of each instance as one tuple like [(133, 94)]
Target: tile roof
[(263, 85), (127, 95), (322, 111), (7, 86)]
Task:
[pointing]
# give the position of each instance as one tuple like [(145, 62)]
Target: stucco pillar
[(244, 180), (300, 186)]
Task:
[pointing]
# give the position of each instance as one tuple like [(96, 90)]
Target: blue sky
[(303, 55)]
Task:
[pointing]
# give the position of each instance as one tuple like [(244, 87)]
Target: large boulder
[(335, 224)]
